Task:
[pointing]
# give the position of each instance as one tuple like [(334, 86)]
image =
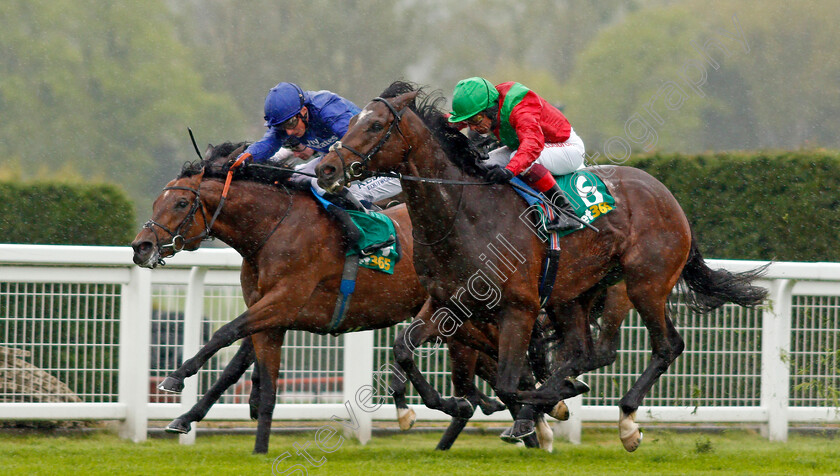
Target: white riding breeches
[(560, 159), (373, 189)]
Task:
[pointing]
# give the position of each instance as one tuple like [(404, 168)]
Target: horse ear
[(406, 99), (238, 150), (208, 151)]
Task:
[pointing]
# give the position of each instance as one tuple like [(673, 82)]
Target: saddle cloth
[(375, 228)]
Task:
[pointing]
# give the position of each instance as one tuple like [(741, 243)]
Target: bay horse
[(283, 291), (480, 262)]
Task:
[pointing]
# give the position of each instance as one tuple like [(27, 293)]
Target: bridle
[(357, 169), (177, 241)]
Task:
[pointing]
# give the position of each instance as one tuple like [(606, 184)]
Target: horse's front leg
[(230, 375), (277, 309), (515, 328), (574, 356), (420, 331), (463, 363)]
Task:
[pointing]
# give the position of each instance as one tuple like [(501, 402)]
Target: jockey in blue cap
[(317, 120)]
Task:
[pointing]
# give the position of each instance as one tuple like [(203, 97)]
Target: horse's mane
[(458, 148), (218, 161)]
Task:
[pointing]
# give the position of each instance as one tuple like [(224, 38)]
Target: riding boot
[(351, 230), (352, 234), (352, 201), (562, 221)]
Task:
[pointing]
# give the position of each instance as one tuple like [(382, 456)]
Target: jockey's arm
[(525, 119), (266, 147)]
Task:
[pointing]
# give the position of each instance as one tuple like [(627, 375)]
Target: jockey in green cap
[(538, 141)]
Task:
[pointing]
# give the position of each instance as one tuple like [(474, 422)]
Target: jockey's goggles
[(475, 120), (291, 122)]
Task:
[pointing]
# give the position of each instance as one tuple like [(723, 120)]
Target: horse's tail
[(707, 289)]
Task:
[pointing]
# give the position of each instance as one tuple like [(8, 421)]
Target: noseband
[(177, 241), (356, 169)]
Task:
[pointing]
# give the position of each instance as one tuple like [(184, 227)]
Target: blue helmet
[(282, 103)]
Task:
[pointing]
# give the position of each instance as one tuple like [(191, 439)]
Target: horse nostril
[(142, 247), (328, 170)]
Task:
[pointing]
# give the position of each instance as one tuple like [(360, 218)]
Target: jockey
[(312, 121), (538, 139)]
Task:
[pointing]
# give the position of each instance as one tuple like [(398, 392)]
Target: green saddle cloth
[(588, 195), (375, 228)]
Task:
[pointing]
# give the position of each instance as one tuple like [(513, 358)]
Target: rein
[(451, 225), (351, 171)]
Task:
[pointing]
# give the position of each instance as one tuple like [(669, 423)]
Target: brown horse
[(282, 291), (479, 261)]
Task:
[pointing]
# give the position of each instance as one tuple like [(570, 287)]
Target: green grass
[(662, 452)]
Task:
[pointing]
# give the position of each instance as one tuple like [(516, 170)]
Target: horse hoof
[(507, 436), (631, 444), (545, 435), (629, 432), (560, 411), (579, 386), (519, 430), (491, 406), (406, 418), (178, 425), (171, 385)]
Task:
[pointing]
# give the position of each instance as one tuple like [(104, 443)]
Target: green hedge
[(783, 206), (65, 214)]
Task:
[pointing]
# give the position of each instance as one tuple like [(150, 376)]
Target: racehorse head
[(374, 133), (393, 133), (179, 220)]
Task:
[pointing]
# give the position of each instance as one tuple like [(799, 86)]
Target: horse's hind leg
[(616, 306), (666, 345), (405, 415), (267, 346), (230, 375)]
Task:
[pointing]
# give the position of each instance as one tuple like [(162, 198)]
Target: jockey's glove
[(240, 160), (499, 174)]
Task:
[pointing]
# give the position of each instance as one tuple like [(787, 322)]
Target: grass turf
[(662, 452)]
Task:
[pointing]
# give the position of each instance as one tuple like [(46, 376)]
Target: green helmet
[(471, 96)]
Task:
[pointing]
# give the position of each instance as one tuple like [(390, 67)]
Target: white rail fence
[(85, 334)]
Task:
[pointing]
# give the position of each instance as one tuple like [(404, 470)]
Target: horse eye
[(376, 126), (182, 203)]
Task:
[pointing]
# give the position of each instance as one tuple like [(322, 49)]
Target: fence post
[(775, 359), (358, 380), (193, 315), (135, 328)]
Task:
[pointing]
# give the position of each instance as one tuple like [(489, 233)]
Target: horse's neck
[(433, 206), (248, 215)]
